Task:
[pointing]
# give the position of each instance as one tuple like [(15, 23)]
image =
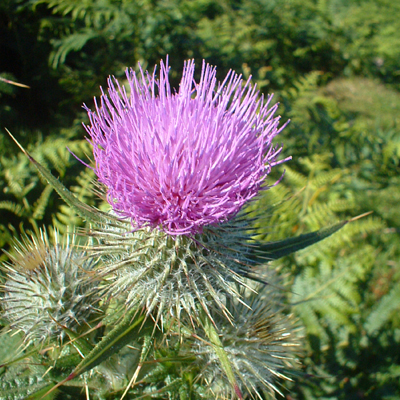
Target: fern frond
[(74, 42), (39, 207), (15, 208), (384, 311)]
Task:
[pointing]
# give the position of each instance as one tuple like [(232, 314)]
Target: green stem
[(213, 335)]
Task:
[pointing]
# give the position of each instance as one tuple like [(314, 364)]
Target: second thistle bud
[(47, 288)]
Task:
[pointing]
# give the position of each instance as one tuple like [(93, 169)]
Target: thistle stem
[(213, 335)]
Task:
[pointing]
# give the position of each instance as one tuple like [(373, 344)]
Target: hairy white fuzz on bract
[(168, 275), (47, 289)]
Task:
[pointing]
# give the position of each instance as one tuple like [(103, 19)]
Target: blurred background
[(334, 66)]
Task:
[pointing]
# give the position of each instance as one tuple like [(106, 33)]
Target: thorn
[(68, 378), (18, 144), (361, 216), (238, 392), (14, 83)]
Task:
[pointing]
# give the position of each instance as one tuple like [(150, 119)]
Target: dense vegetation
[(335, 67)]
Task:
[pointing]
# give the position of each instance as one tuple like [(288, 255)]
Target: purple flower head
[(182, 160)]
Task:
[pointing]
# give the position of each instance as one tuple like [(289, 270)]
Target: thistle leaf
[(28, 388), (281, 248), (7, 342), (67, 362), (41, 394), (118, 337), (275, 250), (80, 343)]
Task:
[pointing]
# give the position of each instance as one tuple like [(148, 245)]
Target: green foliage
[(27, 200), (6, 90), (344, 289), (335, 67), (18, 380)]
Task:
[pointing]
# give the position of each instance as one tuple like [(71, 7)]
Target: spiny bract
[(47, 287), (261, 345), (173, 274)]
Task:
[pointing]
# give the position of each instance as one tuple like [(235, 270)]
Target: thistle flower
[(261, 346), (178, 166), (182, 160), (47, 287)]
